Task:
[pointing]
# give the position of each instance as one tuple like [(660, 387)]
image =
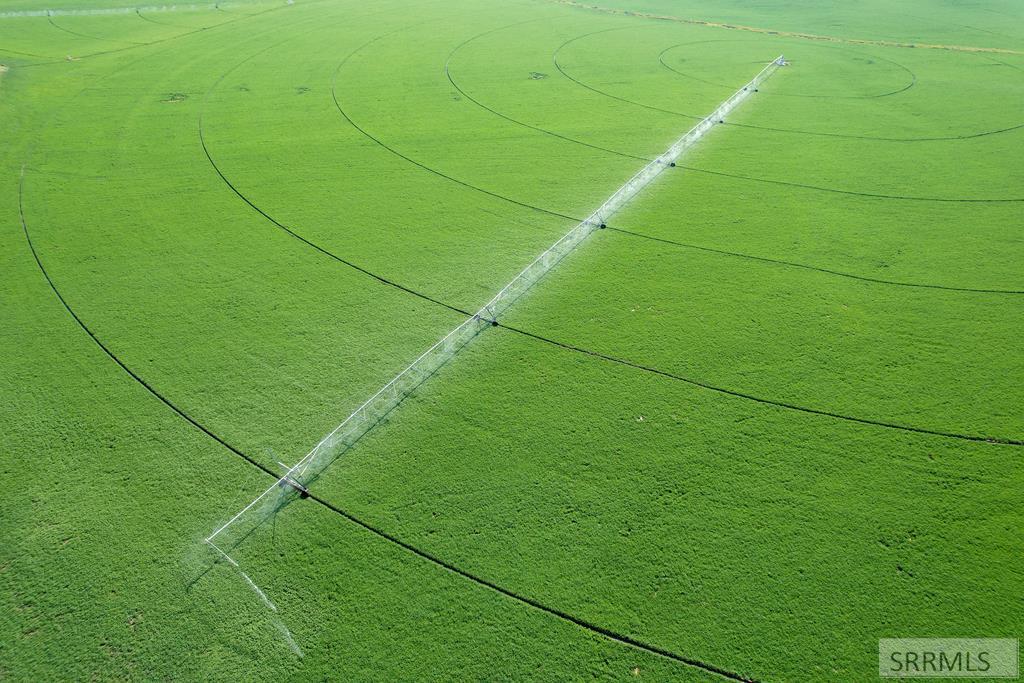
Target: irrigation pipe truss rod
[(394, 392), (383, 390), (222, 553)]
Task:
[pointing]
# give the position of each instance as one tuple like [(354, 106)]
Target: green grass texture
[(767, 417)]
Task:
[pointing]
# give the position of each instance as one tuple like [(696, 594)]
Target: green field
[(772, 414)]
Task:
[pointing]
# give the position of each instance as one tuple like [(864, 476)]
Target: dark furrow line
[(758, 399), (608, 633), (169, 38), (414, 162), (110, 354), (774, 129), (905, 88), (1006, 64), (57, 26), (554, 59), (946, 138), (803, 266), (24, 54), (620, 638), (913, 76), (850, 136), (710, 249), (282, 226), (329, 254), (138, 13), (64, 303), (852, 192), (878, 423), (447, 72), (738, 125)]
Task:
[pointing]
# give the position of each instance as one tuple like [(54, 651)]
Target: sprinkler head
[(672, 164), (603, 226), (494, 323)]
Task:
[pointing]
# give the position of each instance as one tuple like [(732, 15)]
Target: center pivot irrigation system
[(295, 481)]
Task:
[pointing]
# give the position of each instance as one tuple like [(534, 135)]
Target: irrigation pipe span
[(297, 478)]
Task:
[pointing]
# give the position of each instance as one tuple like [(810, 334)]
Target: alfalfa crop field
[(738, 418)]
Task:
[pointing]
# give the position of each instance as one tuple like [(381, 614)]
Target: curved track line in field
[(961, 200), (592, 627), (968, 136), (876, 138), (414, 162), (554, 59), (138, 12), (765, 401), (827, 271), (908, 86), (24, 54), (57, 26), (534, 207), (325, 252), (620, 638), (773, 129), (110, 354), (279, 224), (168, 38), (81, 323), (1006, 64), (447, 72)]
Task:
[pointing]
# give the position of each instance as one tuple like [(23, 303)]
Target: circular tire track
[(24, 54), (908, 86), (414, 162), (466, 95), (854, 193), (139, 13), (561, 70), (827, 271), (57, 26), (164, 40), (849, 136)]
